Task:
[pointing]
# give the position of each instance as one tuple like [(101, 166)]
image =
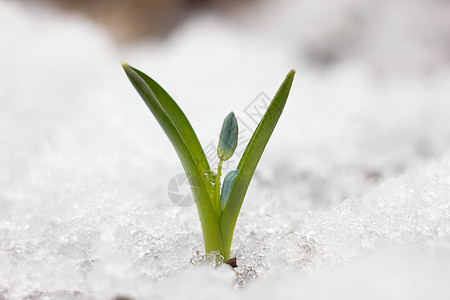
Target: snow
[(350, 200)]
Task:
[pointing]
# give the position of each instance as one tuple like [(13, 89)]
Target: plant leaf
[(179, 120), (249, 161), (182, 136)]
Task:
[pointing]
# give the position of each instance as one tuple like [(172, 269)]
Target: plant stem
[(216, 205)]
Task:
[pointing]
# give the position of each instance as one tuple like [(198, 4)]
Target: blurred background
[(358, 161), (135, 19), (370, 97), (395, 31)]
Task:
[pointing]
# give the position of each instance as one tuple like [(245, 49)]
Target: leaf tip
[(292, 72)]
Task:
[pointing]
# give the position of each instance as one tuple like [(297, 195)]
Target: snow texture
[(350, 200)]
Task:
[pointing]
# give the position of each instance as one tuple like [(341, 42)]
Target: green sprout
[(218, 209)]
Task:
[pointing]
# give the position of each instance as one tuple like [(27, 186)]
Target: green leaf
[(249, 161), (177, 117), (228, 137), (183, 138)]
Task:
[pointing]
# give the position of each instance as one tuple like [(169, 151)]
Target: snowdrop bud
[(228, 183), (228, 137)]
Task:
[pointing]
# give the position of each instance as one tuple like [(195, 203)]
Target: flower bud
[(227, 186), (228, 137)]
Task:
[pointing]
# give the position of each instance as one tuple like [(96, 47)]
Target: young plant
[(218, 209)]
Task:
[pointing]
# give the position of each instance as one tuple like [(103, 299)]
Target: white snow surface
[(351, 197)]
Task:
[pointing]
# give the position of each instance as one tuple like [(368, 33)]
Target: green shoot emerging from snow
[(218, 208)]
